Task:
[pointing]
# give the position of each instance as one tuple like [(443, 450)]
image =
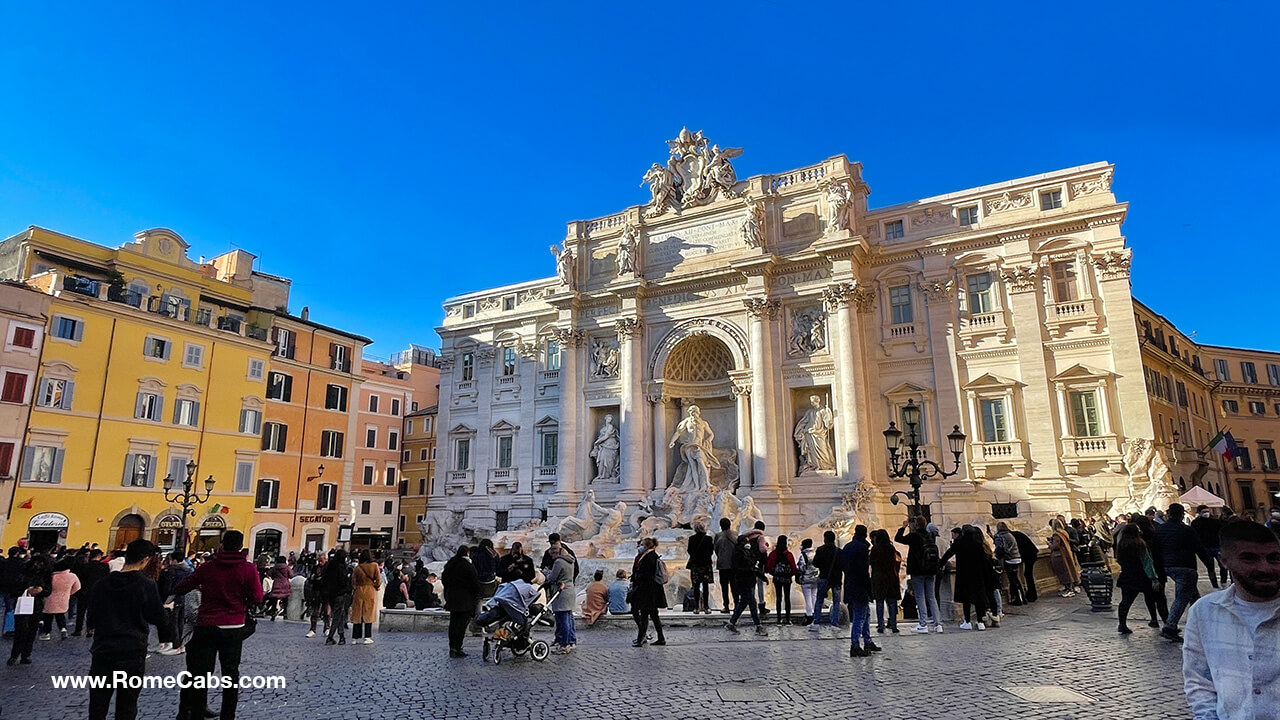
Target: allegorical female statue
[(813, 438), (695, 436), (605, 451)]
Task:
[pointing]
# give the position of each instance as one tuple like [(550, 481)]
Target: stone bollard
[(293, 610)]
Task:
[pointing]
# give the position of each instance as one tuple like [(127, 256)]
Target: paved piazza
[(1055, 642)]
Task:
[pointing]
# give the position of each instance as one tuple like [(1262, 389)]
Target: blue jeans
[(893, 614), (1184, 593), (10, 603), (565, 632), (835, 604), (922, 586), (744, 598), (860, 615)]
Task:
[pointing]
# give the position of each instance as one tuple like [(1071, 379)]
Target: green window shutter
[(28, 463), (68, 391)]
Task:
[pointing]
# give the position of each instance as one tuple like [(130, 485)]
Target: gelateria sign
[(48, 521), (169, 522)]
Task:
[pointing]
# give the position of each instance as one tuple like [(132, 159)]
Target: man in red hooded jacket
[(228, 585)]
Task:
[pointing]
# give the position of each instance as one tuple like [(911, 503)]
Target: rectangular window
[(6, 459), (274, 436), (268, 495), (426, 425), (1051, 200), (148, 406), (993, 421), (244, 477), (335, 398), (504, 451), (893, 230), (422, 455), (469, 310), (193, 356), (140, 470), (257, 368), (553, 355), (186, 412), (1222, 369), (406, 456), (393, 440), (1273, 374), (408, 428), (371, 437), (154, 347), (284, 343), (250, 421), (900, 305), (969, 215), (15, 388), (501, 519), (387, 507), (1267, 456), (464, 454), (1246, 494), (550, 449), (402, 523), (1230, 407), (367, 478), (23, 337), (1182, 394), (373, 403), (55, 393), (1248, 373), (1084, 414), (509, 302), (364, 506), (980, 293), (67, 328), (279, 386), (395, 406), (326, 496), (177, 468), (1257, 408), (331, 443), (42, 464), (508, 361), (339, 357), (1064, 281), (468, 366), (1244, 461), (389, 477)]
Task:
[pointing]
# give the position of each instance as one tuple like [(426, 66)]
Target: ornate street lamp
[(910, 465), (187, 498)]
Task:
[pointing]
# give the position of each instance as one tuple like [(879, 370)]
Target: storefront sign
[(344, 533), (48, 521), (169, 522), (213, 522), (316, 518)]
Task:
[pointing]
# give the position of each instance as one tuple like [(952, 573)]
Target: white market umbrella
[(1197, 496)]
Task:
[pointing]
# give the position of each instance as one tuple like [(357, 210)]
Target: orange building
[(417, 470), (308, 434), (385, 396)]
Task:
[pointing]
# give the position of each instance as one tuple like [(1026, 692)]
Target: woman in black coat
[(36, 580), (647, 594), (335, 588), (461, 596), (972, 567)]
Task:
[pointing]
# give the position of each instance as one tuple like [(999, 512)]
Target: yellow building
[(151, 362), (418, 469), (1246, 399)]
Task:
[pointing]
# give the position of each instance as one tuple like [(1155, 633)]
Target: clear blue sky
[(388, 155)]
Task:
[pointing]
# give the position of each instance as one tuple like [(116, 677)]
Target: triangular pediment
[(1082, 372), (502, 425), (991, 381), (909, 389), (547, 421), (461, 429)]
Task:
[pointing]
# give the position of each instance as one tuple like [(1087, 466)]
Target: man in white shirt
[(1231, 652)]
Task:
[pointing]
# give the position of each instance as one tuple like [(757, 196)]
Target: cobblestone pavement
[(959, 674)]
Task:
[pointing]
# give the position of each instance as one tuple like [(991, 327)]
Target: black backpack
[(928, 555), (746, 554)]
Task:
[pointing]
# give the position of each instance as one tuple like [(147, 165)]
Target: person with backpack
[(559, 582), (1029, 553), (648, 593), (781, 566), (336, 591), (1007, 553), (807, 576), (701, 572), (922, 568), (748, 566), (725, 542), (830, 577)]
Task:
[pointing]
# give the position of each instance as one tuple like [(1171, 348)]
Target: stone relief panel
[(606, 359), (808, 331)]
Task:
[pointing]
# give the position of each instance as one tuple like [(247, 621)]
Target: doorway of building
[(315, 542), (129, 528), (267, 542)]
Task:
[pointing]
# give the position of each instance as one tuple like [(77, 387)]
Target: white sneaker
[(368, 641), (967, 626), (939, 630), (920, 629), (172, 650), (164, 647), (981, 626), (311, 633)]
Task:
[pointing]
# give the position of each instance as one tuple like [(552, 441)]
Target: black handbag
[(250, 624)]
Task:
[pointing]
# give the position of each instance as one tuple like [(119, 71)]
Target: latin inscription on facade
[(668, 248)]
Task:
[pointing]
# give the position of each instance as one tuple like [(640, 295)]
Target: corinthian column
[(761, 312), (569, 482), (839, 297), (631, 462), (742, 396)]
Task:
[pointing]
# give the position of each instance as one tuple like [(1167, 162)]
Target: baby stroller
[(515, 611)]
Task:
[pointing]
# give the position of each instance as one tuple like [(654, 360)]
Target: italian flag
[(1224, 445)]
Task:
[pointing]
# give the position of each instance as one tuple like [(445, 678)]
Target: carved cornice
[(762, 307), (1008, 201), (1022, 278), (1100, 184)]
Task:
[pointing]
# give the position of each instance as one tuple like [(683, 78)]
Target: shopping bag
[(26, 606)]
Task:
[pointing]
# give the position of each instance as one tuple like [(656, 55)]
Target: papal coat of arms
[(694, 175)]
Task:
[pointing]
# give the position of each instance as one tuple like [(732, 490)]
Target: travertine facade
[(799, 322)]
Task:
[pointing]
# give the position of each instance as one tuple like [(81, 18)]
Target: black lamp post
[(912, 466), (187, 498)]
